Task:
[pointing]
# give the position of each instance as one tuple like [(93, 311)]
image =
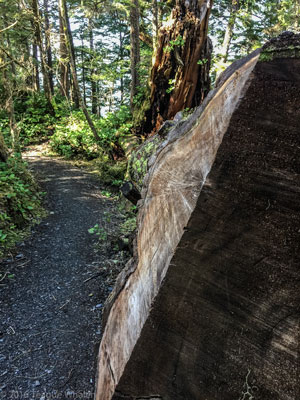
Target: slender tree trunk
[(35, 64), (71, 50), (121, 56), (63, 61), (235, 5), (92, 78), (134, 49), (98, 102), (111, 98), (160, 14), (83, 72), (155, 24), (14, 131), (68, 39), (180, 73), (48, 47), (38, 35)]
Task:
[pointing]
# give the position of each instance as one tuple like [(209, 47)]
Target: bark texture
[(3, 149), (134, 49), (35, 69), (209, 306), (40, 43), (48, 46), (180, 73), (63, 60)]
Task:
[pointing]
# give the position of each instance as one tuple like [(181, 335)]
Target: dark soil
[(51, 310)]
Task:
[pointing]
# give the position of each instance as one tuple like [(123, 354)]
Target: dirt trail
[(50, 317)]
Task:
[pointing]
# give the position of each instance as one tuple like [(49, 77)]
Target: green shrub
[(73, 136), (20, 201), (33, 119)]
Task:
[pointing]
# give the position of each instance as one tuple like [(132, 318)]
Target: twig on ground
[(3, 277), (92, 277), (67, 302)]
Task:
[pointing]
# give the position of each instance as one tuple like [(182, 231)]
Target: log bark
[(209, 306), (180, 74)]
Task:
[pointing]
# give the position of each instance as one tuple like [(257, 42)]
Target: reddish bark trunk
[(180, 74)]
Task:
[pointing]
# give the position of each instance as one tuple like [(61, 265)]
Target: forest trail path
[(50, 317)]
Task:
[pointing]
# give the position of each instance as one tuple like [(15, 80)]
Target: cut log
[(209, 306)]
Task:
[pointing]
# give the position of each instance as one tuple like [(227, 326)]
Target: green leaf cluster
[(20, 202), (179, 42), (73, 136)]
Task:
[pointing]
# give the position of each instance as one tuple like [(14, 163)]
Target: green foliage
[(171, 85), (98, 231), (179, 42), (73, 136), (253, 23), (20, 202), (108, 171), (34, 122), (202, 62), (129, 226)]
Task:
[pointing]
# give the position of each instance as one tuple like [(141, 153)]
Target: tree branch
[(8, 27)]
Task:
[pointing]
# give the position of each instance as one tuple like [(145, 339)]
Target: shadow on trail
[(50, 317)]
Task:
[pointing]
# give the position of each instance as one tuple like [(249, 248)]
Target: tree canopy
[(97, 56)]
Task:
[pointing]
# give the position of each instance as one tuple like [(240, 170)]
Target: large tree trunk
[(71, 55), (134, 49), (235, 5), (180, 74), (208, 308), (39, 40)]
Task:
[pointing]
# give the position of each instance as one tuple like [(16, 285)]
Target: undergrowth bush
[(34, 122), (20, 202), (108, 171), (73, 136)]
